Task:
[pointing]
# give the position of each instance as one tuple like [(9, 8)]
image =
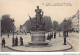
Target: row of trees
[(60, 26), (7, 24), (49, 25)]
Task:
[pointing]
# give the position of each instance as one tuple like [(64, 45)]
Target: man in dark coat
[(8, 35), (52, 35), (49, 37), (21, 41), (16, 40), (3, 42)]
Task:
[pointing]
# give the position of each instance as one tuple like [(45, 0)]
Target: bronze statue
[(38, 19), (38, 14)]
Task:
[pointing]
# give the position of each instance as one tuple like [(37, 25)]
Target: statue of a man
[(38, 14)]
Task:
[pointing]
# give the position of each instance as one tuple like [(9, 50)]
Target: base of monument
[(44, 44), (38, 44), (37, 39)]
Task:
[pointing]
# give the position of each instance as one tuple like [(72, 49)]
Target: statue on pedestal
[(37, 30)]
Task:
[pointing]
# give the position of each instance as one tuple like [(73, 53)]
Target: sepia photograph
[(39, 26)]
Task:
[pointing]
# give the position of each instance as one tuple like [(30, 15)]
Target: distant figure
[(21, 41), (8, 35), (1, 36), (3, 42), (54, 34), (49, 37), (16, 41)]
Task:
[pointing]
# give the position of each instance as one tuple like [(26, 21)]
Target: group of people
[(51, 36), (15, 41)]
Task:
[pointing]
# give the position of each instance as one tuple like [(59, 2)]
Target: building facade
[(75, 22)]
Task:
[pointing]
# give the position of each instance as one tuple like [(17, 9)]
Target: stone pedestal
[(38, 38)]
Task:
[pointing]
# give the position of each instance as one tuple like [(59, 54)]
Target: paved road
[(72, 39)]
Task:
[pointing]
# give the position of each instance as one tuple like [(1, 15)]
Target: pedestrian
[(21, 41), (54, 34), (8, 35), (49, 37), (3, 42), (16, 40)]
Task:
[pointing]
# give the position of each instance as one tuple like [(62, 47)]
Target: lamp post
[(13, 28), (67, 32), (64, 31), (67, 27), (13, 34)]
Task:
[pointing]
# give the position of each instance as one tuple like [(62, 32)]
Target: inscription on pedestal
[(38, 37)]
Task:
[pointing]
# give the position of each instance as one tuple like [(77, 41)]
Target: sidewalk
[(73, 39), (57, 44)]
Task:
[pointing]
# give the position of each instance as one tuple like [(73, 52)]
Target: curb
[(42, 51)]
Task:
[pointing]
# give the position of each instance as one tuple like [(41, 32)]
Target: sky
[(19, 9)]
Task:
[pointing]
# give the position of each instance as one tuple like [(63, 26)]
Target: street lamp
[(13, 34), (13, 29), (67, 27), (64, 31)]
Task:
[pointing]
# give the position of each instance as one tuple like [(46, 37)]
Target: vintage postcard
[(39, 26)]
